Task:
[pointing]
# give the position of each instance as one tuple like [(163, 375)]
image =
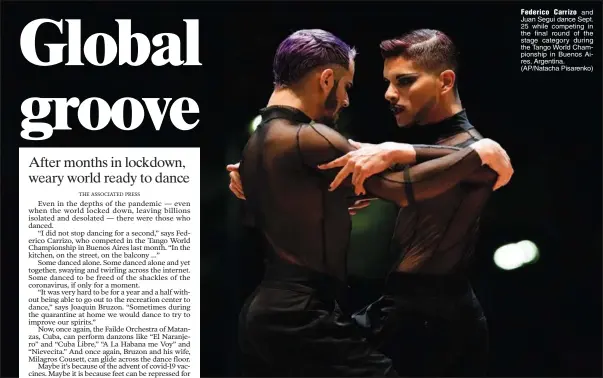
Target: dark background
[(545, 318)]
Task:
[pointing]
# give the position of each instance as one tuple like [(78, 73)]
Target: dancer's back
[(289, 196), (292, 324)]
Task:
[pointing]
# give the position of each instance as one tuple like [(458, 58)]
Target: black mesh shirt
[(438, 235), (289, 197)]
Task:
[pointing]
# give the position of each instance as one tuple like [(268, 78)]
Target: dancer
[(430, 319), (292, 324)]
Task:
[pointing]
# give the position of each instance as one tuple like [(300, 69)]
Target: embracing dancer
[(292, 324), (429, 318)]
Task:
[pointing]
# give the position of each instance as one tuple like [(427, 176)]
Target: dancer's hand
[(493, 155), (368, 160), (236, 187)]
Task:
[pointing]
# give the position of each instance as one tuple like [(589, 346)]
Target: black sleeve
[(482, 175), (319, 144)]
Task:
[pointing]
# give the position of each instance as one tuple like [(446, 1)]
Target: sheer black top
[(288, 195), (438, 235)]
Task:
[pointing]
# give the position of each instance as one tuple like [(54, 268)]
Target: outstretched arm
[(483, 175), (370, 159), (418, 153), (320, 145)]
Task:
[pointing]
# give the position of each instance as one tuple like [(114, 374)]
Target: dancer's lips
[(397, 109)]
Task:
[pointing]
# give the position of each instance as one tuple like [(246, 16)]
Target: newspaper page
[(104, 171), (300, 189)]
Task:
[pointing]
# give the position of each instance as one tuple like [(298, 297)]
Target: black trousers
[(429, 326), (292, 325)]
